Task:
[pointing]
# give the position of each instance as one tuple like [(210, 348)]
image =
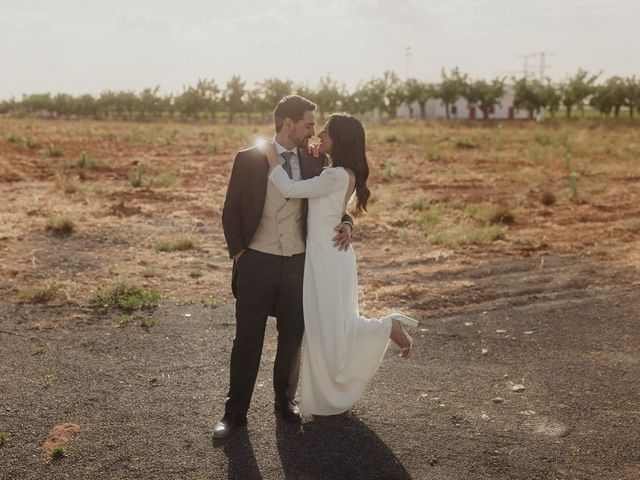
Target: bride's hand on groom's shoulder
[(314, 149), (269, 149)]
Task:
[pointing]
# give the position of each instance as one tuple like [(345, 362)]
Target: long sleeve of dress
[(324, 184)]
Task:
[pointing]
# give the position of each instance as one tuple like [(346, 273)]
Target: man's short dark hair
[(293, 107)]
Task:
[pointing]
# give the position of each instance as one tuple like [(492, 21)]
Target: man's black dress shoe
[(225, 427), (287, 410)]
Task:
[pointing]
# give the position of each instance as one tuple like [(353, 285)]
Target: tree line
[(384, 93)]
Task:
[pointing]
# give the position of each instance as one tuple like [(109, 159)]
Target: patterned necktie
[(287, 162)]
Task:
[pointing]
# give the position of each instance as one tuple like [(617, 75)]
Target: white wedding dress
[(341, 349)]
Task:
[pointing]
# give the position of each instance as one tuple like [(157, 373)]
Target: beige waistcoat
[(281, 227)]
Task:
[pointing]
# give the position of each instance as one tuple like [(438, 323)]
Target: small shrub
[(389, 170), (548, 198), (228, 320), (15, 139), (33, 144), (211, 300), (543, 139), (431, 218), (47, 380), (39, 351), (84, 161), (433, 153), (468, 235), (184, 301), (391, 138), (573, 186), (633, 225), (49, 293), (572, 174), (61, 225), (466, 143), (163, 180), (3, 438), (458, 205), (58, 452), (127, 298), (136, 176), (197, 273), (152, 270), (420, 204), (527, 241), (152, 380), (491, 214), (502, 216), (147, 322), (179, 244), (123, 319), (484, 235), (55, 151), (213, 149), (67, 185)]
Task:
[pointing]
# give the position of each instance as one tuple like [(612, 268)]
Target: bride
[(341, 348)]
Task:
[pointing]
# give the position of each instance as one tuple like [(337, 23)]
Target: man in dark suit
[(265, 235)]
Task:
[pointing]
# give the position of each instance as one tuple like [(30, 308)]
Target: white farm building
[(461, 110)]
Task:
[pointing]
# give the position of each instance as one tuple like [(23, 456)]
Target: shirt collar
[(280, 148)]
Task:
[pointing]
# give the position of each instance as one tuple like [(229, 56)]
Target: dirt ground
[(526, 363)]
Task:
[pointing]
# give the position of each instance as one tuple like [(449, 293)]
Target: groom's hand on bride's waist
[(343, 239)]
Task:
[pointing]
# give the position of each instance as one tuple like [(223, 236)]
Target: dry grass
[(43, 294), (61, 225), (68, 185), (633, 224), (461, 187), (177, 245), (126, 297)]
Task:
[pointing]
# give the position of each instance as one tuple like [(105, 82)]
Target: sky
[(87, 46)]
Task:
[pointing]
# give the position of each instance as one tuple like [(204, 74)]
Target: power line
[(407, 54), (542, 66)]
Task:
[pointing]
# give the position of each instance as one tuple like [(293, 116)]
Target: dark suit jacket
[(246, 195)]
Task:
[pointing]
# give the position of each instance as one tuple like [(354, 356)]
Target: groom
[(265, 235)]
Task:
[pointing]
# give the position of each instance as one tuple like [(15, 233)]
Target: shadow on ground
[(324, 448)]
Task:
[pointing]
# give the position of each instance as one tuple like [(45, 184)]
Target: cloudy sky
[(87, 46)]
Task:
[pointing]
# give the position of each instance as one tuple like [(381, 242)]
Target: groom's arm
[(349, 221), (232, 210), (342, 240)]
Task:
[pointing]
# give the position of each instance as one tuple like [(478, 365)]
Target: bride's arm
[(324, 184), (319, 186)]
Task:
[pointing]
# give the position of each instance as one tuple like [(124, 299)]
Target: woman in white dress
[(341, 348)]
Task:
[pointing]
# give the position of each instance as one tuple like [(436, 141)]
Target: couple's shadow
[(323, 448)]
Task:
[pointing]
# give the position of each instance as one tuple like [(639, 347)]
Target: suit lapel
[(261, 181), (309, 165)]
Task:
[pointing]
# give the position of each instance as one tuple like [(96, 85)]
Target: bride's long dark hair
[(348, 151)]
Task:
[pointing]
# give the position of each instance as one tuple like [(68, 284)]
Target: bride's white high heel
[(412, 322), (405, 352)]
